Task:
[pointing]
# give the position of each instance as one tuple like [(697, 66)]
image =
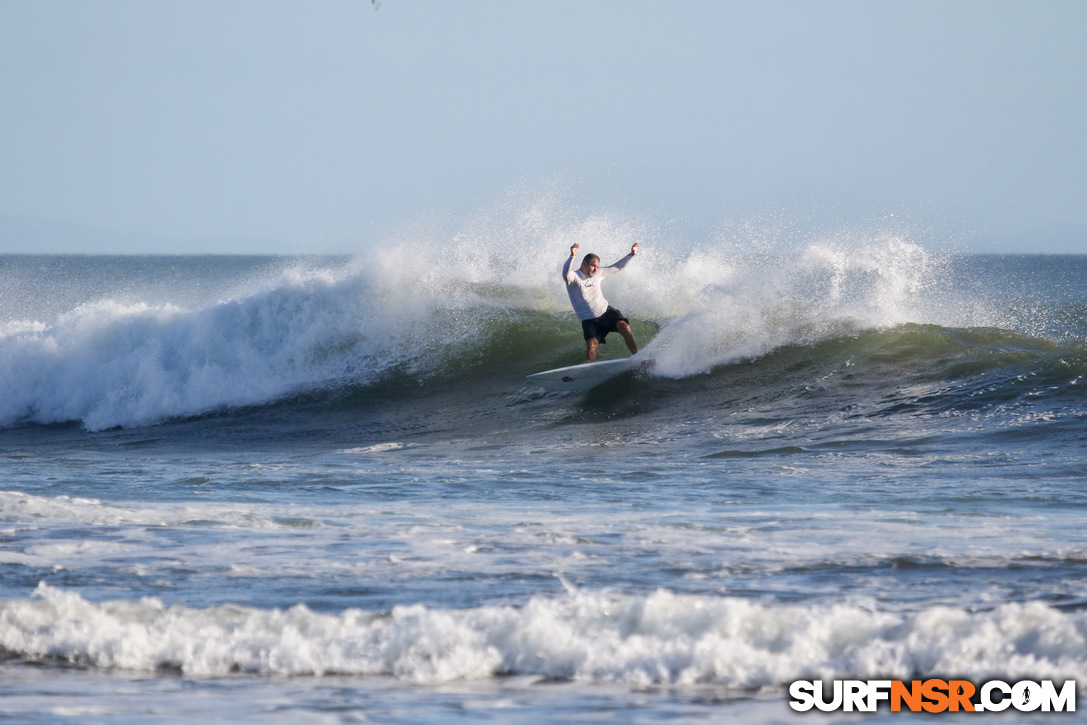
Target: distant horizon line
[(25, 232)]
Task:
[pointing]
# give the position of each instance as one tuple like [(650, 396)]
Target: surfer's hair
[(590, 257)]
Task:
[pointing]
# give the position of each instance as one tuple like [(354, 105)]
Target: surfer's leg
[(590, 349), (628, 335)]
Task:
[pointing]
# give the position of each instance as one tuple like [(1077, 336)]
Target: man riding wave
[(598, 318)]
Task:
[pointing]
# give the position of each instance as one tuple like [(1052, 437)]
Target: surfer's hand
[(573, 249), (634, 249)]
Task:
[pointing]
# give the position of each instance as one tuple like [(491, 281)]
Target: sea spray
[(826, 289)]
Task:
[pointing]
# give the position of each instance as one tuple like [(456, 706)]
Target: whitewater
[(320, 489)]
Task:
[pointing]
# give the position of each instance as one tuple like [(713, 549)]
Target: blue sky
[(272, 126)]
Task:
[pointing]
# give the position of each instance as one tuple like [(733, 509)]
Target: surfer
[(598, 318)]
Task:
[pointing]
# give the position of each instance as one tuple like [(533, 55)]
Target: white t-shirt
[(585, 294)]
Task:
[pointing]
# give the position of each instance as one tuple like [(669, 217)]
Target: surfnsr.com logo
[(932, 695)]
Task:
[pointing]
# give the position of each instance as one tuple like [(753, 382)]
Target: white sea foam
[(592, 636)]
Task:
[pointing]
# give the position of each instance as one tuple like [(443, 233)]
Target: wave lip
[(661, 638)]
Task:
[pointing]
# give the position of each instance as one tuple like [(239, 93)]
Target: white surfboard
[(587, 375)]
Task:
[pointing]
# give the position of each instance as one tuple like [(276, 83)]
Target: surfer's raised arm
[(569, 274), (625, 260), (608, 271)]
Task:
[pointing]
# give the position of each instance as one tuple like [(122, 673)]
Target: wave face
[(484, 306)]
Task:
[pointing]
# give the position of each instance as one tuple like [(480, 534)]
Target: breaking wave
[(593, 636), (486, 302)]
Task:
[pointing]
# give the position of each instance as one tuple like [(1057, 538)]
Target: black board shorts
[(599, 327)]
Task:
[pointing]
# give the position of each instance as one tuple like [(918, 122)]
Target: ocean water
[(281, 490)]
